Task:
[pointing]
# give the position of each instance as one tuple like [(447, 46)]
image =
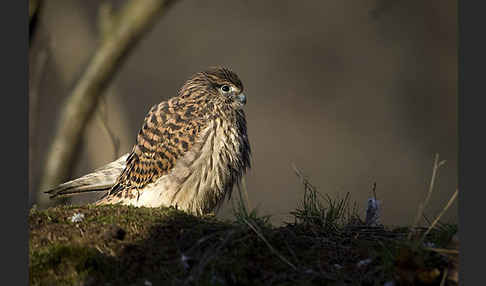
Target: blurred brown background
[(352, 92)]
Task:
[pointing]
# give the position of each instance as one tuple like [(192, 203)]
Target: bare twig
[(444, 276), (259, 234), (449, 203), (437, 165), (443, 250), (422, 206), (133, 20)]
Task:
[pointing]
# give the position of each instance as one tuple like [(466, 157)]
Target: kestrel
[(190, 152)]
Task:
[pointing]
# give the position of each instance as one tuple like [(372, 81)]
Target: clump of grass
[(322, 210)]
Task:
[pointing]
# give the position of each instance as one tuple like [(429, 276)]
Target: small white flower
[(338, 266), (364, 262), (184, 260), (77, 217), (147, 283), (429, 244), (389, 283)]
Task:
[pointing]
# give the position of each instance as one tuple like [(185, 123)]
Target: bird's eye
[(225, 88)]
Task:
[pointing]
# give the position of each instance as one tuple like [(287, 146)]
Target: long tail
[(102, 179)]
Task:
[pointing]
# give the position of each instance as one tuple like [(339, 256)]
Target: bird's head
[(217, 84)]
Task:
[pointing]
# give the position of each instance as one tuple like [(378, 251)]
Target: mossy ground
[(121, 245)]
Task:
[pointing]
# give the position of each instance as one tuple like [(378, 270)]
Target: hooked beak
[(241, 98)]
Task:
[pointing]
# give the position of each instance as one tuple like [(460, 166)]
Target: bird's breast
[(204, 175)]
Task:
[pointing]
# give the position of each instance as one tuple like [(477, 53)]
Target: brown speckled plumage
[(190, 151)]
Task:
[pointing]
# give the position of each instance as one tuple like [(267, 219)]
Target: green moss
[(68, 264)]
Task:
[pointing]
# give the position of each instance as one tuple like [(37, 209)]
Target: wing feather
[(168, 132)]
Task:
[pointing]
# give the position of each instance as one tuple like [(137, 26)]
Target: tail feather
[(72, 188), (102, 179)]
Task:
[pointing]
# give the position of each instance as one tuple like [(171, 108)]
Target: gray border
[(14, 116), (471, 80)]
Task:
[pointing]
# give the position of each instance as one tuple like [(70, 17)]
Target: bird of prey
[(190, 152)]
